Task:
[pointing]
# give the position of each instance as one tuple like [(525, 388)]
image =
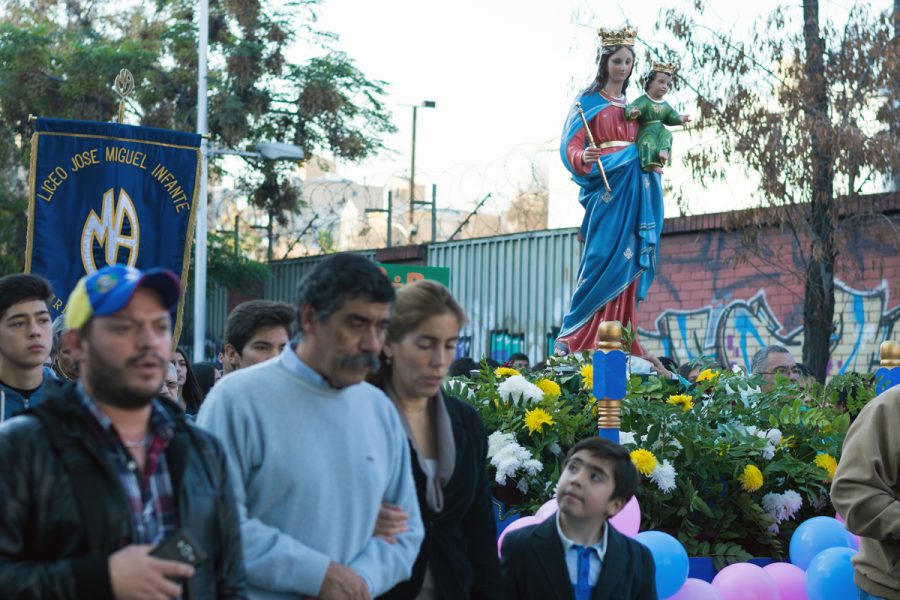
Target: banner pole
[(200, 241)]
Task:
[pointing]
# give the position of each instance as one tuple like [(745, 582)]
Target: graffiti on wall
[(733, 332)]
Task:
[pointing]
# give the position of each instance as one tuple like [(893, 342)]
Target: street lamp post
[(264, 151), (412, 167)]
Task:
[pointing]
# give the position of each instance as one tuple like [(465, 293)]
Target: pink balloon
[(519, 523), (548, 508), (745, 581), (628, 520), (790, 579), (696, 589)]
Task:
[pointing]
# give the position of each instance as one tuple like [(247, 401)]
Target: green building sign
[(401, 275)]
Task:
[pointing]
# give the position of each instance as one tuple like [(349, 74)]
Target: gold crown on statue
[(621, 37), (661, 67)]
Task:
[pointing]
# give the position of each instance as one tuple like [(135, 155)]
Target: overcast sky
[(503, 74)]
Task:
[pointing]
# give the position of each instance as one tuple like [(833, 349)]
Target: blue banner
[(104, 194)]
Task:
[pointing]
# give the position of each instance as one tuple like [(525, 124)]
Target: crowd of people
[(326, 464)]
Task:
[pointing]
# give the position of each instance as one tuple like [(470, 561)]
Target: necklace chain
[(141, 443)]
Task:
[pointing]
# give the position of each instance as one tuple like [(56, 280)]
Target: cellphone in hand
[(180, 547)]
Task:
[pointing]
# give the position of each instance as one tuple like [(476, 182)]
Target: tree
[(807, 107), (59, 58)]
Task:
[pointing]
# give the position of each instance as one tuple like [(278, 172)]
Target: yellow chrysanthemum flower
[(707, 375), (505, 372), (587, 377), (751, 479), (683, 400), (551, 389), (536, 419), (643, 460), (827, 462)]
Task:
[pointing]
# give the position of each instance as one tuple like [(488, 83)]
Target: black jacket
[(460, 542), (534, 567), (50, 547)]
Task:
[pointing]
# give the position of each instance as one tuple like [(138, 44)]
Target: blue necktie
[(583, 584)]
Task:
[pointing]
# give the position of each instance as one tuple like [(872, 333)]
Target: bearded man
[(102, 472)]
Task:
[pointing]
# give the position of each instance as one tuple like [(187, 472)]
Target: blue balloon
[(830, 575), (814, 535), (671, 561)]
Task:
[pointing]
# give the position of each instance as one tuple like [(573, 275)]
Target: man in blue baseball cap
[(106, 471)]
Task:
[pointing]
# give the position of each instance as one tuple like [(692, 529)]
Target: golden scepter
[(590, 137)]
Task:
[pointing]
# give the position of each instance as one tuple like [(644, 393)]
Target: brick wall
[(716, 295)]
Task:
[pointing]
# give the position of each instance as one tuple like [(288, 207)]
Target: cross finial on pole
[(124, 86)]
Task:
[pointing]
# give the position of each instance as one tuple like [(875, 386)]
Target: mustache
[(365, 359), (134, 360)]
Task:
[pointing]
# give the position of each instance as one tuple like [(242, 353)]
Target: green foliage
[(229, 269), (708, 434), (806, 106), (59, 59)]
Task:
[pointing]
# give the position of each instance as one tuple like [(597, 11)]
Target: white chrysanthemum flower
[(508, 457), (664, 476), (626, 437), (773, 438), (792, 503), (782, 506), (770, 504), (498, 440), (517, 387)]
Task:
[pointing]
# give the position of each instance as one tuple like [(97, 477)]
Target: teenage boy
[(25, 342), (574, 554), (256, 331)]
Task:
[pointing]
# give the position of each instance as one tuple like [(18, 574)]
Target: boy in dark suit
[(574, 554)]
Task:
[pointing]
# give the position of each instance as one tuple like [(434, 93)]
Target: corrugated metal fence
[(515, 289)]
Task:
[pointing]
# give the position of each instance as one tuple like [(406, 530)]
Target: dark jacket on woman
[(460, 543), (52, 546)]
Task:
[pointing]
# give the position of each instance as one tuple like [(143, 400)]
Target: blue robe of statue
[(621, 229)]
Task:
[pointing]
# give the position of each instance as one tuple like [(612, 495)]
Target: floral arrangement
[(532, 418), (727, 468)]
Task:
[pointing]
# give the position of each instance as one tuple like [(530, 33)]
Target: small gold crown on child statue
[(661, 67), (621, 37)]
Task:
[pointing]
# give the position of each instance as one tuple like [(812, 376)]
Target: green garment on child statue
[(652, 136)]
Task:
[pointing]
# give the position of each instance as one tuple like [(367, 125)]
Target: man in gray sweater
[(314, 451)]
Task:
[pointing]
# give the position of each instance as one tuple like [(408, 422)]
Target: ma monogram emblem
[(116, 227)]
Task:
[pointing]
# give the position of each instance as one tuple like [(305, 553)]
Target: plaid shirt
[(151, 500)]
